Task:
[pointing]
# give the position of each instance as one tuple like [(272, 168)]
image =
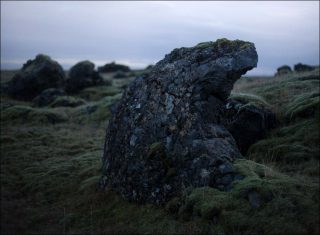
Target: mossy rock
[(34, 77), (82, 75)]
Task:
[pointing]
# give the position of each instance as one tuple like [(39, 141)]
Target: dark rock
[(283, 70), (35, 76), (303, 67), (82, 75), (167, 132), (47, 96), (247, 123), (113, 67)]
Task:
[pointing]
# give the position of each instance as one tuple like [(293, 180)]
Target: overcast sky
[(141, 33)]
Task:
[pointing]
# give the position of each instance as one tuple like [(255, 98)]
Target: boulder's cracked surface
[(167, 132)]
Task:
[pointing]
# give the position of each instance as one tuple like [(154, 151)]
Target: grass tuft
[(250, 99), (23, 114)]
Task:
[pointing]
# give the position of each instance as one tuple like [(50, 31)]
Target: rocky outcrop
[(35, 76), (247, 123), (82, 75), (283, 70), (167, 132)]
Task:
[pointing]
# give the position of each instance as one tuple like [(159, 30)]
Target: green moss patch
[(291, 147), (23, 114), (225, 43), (264, 202)]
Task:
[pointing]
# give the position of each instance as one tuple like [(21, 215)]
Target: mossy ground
[(264, 202), (49, 171), (294, 145)]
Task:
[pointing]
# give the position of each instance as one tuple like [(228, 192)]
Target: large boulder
[(247, 123), (283, 70), (113, 67), (167, 132), (82, 75), (35, 76), (303, 67)]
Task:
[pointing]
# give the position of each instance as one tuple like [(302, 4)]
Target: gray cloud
[(140, 33)]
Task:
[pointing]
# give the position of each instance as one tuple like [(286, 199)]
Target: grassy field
[(51, 158)]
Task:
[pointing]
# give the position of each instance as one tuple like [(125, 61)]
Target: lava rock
[(303, 67), (34, 77), (113, 67), (167, 132), (283, 70), (47, 96), (247, 123), (83, 75)]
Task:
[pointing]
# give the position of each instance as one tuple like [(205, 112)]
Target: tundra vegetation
[(51, 160)]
